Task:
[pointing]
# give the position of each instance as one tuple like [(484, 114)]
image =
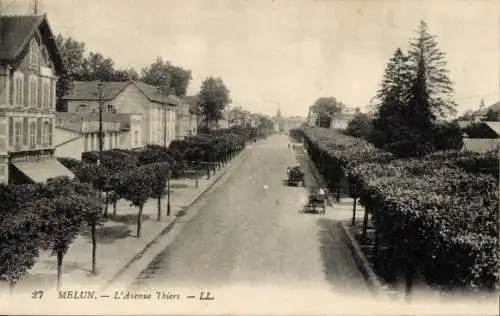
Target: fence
[(481, 145)]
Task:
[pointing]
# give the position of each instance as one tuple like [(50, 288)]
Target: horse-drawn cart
[(316, 201), (295, 176)]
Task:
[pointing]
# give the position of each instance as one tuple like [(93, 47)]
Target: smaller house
[(481, 145), (76, 133)]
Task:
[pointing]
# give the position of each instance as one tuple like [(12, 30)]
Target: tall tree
[(424, 49), (213, 99), (98, 67), (163, 72), (390, 114), (73, 56)]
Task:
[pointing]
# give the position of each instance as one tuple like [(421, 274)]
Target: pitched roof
[(87, 90), (16, 32), (495, 126)]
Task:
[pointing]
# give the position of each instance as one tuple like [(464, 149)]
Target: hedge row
[(437, 215)]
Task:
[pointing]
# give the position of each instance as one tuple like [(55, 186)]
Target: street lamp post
[(164, 92), (100, 87)]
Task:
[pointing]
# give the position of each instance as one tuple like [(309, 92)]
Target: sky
[(287, 53)]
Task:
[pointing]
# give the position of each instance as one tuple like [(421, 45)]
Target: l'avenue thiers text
[(129, 295)]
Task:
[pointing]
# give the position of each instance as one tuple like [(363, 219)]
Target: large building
[(29, 66), (158, 112)]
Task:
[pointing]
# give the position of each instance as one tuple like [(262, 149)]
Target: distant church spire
[(278, 114)]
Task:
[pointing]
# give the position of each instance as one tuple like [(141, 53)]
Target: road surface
[(252, 231)]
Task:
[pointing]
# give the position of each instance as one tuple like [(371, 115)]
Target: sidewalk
[(117, 244)]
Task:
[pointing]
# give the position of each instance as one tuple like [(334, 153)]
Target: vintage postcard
[(249, 157)]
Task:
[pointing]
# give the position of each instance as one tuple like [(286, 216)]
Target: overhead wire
[(8, 6)]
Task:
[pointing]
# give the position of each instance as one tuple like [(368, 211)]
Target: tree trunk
[(159, 209), (410, 275), (354, 212), (94, 247), (59, 269), (139, 221), (105, 204), (114, 208), (365, 224)]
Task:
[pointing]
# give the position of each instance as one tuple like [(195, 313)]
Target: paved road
[(252, 231)]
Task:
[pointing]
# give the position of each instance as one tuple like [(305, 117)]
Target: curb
[(369, 275), (233, 164)]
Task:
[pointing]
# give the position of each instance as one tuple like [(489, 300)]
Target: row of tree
[(50, 216), (436, 216)]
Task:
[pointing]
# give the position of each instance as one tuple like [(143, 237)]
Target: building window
[(19, 90), (46, 133), (33, 88), (25, 131), (33, 54), (50, 133), (136, 138), (46, 94), (82, 108), (11, 131), (32, 134), (85, 144), (18, 132), (110, 108), (39, 131)]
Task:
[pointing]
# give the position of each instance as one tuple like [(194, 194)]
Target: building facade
[(158, 113), (187, 121), (76, 133), (29, 66)]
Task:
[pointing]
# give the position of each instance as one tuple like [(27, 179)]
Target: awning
[(40, 171)]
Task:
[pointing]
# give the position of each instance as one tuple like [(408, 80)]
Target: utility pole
[(35, 6), (100, 87), (164, 92)]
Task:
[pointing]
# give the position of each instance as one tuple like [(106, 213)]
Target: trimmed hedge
[(437, 214)]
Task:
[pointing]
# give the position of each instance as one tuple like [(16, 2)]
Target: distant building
[(29, 65)]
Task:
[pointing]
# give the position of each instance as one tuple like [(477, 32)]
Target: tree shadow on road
[(109, 234), (339, 266)]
